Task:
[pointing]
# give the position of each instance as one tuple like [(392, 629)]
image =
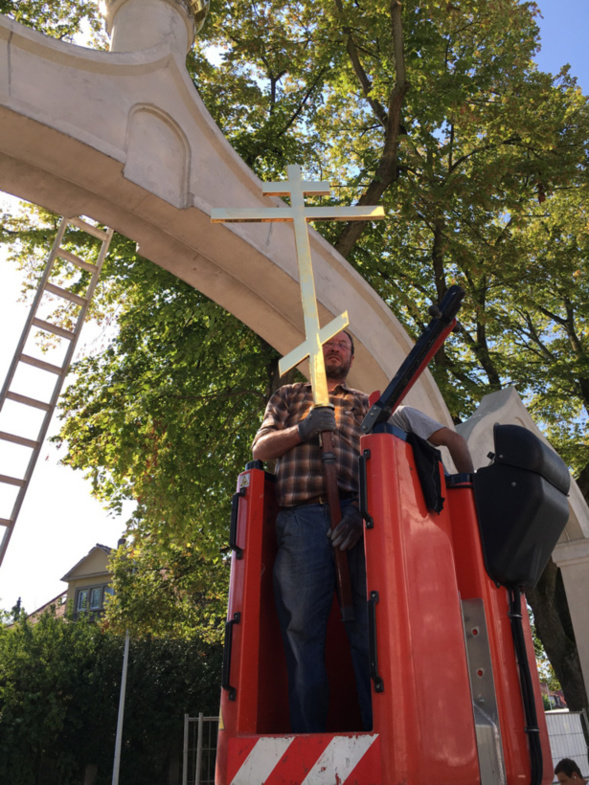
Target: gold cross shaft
[(299, 215)]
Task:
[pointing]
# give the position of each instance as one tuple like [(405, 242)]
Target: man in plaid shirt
[(304, 569)]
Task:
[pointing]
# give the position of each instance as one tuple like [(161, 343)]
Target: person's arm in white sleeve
[(414, 421), (457, 448)]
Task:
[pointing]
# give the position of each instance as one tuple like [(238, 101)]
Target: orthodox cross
[(299, 214)]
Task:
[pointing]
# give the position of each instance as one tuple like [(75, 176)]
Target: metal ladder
[(56, 372)]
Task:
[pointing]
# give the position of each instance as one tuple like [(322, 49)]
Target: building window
[(91, 598), (82, 603), (96, 598)]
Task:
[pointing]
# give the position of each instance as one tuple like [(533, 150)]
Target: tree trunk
[(554, 628), (583, 482), (390, 118)]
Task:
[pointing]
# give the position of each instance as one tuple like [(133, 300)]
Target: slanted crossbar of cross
[(300, 215)]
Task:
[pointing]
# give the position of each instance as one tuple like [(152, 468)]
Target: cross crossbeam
[(299, 214)]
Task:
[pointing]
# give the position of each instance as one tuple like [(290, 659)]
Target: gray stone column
[(573, 559), (134, 25)]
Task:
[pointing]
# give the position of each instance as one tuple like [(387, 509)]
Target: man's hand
[(349, 530), (319, 419)]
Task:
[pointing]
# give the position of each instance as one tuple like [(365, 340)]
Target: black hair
[(351, 340), (568, 767)]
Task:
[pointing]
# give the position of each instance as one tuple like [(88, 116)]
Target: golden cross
[(315, 336)]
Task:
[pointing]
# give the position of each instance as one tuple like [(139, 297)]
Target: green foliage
[(59, 695), (487, 152), (58, 18), (170, 429), (273, 60), (163, 416), (546, 672)]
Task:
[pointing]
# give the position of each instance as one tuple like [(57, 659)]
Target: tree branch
[(386, 171), (302, 102), (365, 83)]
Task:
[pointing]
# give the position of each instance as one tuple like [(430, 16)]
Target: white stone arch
[(76, 127), (158, 154)]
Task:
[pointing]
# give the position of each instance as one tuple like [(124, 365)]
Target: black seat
[(522, 506)]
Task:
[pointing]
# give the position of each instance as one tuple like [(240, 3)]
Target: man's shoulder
[(289, 391), (295, 387), (415, 421)]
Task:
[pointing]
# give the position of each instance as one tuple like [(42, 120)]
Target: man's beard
[(338, 372)]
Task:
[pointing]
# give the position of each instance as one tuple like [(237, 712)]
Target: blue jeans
[(304, 583)]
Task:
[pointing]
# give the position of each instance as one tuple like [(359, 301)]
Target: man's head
[(338, 353), (568, 772)]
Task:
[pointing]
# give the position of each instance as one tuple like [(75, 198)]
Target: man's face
[(338, 356)]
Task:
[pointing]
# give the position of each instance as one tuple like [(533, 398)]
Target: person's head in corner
[(568, 773)]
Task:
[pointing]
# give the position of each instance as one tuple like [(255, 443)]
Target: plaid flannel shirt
[(299, 475)]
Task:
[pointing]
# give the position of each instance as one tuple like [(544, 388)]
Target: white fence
[(200, 749), (567, 739)]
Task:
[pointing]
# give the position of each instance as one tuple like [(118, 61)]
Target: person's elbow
[(457, 447), (264, 447), (258, 452)]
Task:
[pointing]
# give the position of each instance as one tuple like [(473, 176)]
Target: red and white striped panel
[(318, 759)]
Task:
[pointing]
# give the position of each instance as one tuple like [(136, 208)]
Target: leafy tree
[(435, 110), (471, 169), (176, 450), (58, 18), (474, 177), (59, 695)]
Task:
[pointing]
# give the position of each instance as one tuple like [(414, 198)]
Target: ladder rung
[(70, 257), (65, 291), (12, 437), (75, 298), (86, 227), (29, 401), (12, 480), (53, 328), (25, 358)]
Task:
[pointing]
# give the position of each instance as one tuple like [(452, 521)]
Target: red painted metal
[(259, 712), (419, 565), (424, 711)]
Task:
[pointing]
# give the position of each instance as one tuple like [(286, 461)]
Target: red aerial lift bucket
[(445, 686)]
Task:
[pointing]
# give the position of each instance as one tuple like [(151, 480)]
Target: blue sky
[(563, 30), (60, 522)]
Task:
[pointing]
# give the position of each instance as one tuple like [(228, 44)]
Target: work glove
[(319, 419), (349, 530)]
